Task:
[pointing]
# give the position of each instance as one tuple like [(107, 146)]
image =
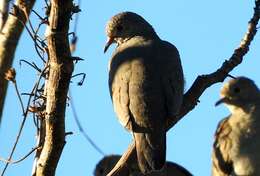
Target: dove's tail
[(151, 150)]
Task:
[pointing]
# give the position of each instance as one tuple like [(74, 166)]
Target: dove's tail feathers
[(151, 151)]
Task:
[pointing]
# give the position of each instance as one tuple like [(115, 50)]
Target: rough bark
[(60, 71), (9, 37), (4, 5)]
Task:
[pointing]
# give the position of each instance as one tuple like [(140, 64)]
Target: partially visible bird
[(146, 85), (108, 162), (236, 150)]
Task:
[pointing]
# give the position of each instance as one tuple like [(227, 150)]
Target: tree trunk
[(60, 71)]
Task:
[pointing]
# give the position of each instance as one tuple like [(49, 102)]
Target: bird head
[(239, 92), (126, 25), (106, 165)]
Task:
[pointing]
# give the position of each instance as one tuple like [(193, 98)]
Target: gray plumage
[(146, 85), (108, 162), (236, 150)]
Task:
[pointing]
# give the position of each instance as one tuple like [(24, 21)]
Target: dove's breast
[(247, 153), (135, 87)]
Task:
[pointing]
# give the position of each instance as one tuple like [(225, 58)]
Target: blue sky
[(205, 32)]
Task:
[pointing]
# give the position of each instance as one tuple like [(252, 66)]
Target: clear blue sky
[(205, 32)]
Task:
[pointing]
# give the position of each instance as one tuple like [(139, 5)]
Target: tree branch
[(4, 7), (57, 84), (9, 37), (20, 160), (201, 83)]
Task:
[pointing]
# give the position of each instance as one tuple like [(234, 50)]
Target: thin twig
[(18, 161), (80, 83), (19, 96), (33, 65), (23, 121), (38, 15), (87, 137), (31, 34), (15, 144)]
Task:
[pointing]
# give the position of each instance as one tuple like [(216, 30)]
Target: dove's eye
[(119, 28), (236, 89)]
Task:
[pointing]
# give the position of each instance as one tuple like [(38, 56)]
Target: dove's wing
[(222, 163)]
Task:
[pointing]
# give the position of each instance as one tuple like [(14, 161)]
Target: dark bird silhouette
[(108, 162)]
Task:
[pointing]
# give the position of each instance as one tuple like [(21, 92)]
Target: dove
[(146, 85), (107, 163), (236, 149)]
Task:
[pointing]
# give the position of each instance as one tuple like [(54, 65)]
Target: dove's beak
[(222, 100), (110, 40)]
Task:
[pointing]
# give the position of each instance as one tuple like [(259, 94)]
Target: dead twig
[(25, 113), (18, 161), (81, 129)]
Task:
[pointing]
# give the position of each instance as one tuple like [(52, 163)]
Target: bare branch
[(9, 37), (57, 84), (81, 129), (25, 113), (4, 6), (201, 83), (20, 160)]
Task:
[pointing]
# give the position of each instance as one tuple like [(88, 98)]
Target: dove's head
[(126, 25), (239, 92)]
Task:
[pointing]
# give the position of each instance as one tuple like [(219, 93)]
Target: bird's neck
[(236, 109), (120, 41), (248, 111), (150, 36)]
